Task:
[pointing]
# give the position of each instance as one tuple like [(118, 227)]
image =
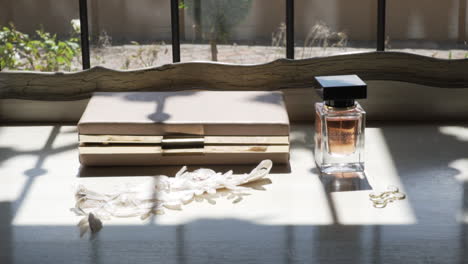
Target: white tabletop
[(294, 219)]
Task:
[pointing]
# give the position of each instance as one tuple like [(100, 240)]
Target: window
[(240, 31), (136, 34), (40, 36), (130, 34), (429, 28), (326, 28)]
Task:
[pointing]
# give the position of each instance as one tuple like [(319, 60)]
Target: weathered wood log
[(276, 75)]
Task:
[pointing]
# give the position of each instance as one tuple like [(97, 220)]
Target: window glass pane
[(38, 35), (130, 34), (233, 31), (430, 28), (336, 26)]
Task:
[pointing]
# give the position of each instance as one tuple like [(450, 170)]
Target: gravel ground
[(137, 56)]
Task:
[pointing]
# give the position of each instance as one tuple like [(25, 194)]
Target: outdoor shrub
[(218, 19), (18, 51), (145, 56)]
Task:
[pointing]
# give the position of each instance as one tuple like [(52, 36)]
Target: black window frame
[(175, 30)]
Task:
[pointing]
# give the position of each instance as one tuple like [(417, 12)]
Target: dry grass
[(321, 40), (322, 36)]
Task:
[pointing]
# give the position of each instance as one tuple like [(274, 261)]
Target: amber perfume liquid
[(339, 138)]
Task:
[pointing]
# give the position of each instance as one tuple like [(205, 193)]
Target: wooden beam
[(277, 75)]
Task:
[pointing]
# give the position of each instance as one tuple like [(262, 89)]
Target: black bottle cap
[(341, 88), (340, 103)]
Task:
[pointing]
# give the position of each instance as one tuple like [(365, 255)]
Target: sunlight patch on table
[(460, 133), (356, 208)]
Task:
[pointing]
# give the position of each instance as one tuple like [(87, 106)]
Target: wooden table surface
[(293, 218)]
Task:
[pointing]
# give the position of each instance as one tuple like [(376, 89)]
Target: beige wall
[(54, 15), (127, 20), (422, 18), (132, 20)]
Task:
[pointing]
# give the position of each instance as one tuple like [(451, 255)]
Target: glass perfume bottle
[(340, 124)]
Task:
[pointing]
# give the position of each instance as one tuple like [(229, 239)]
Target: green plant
[(97, 59), (182, 5), (145, 56), (218, 19), (45, 52), (126, 64), (9, 53), (104, 40)]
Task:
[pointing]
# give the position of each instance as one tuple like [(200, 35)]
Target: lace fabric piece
[(168, 193)]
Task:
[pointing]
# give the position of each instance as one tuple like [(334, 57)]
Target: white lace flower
[(169, 192)]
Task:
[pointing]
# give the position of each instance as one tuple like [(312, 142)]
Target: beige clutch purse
[(175, 128)]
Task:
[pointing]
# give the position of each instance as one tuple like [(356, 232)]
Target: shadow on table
[(6, 241), (42, 155), (425, 157), (345, 182), (434, 239), (222, 240), (199, 241)]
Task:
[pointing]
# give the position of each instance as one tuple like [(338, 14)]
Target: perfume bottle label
[(341, 134)]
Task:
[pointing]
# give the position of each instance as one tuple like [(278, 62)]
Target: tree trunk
[(213, 45), (214, 50)]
